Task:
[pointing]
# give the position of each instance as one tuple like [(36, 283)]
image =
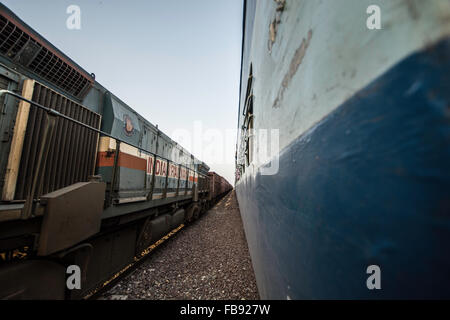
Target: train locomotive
[(352, 202), (85, 180)]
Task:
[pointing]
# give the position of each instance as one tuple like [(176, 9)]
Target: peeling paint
[(273, 27), (272, 32), (293, 67)]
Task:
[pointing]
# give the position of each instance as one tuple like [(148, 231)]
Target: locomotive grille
[(20, 47), (72, 153)]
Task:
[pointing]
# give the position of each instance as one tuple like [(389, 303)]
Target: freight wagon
[(85, 180), (218, 185)]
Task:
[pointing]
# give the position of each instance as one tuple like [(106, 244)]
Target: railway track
[(209, 260), (94, 294), (138, 260)]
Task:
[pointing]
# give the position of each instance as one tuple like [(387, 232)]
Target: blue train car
[(353, 201)]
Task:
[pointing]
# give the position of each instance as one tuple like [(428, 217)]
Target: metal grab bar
[(58, 114)]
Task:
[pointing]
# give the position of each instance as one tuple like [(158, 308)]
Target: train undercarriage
[(122, 240)]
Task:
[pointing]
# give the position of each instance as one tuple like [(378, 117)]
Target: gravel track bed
[(208, 260)]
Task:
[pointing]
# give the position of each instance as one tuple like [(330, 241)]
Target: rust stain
[(273, 27), (296, 61), (280, 4), (273, 31)]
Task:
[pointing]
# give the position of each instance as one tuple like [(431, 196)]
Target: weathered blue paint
[(369, 184)]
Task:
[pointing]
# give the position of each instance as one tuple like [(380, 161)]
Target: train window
[(248, 120), (249, 94), (249, 141)]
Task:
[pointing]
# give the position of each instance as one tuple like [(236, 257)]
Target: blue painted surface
[(369, 184)]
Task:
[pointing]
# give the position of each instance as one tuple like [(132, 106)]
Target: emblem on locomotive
[(128, 125)]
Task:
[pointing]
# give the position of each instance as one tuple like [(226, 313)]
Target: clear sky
[(176, 62)]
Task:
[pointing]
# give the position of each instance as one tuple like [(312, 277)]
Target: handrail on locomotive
[(53, 113)]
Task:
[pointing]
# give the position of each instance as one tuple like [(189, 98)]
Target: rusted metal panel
[(72, 214)]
